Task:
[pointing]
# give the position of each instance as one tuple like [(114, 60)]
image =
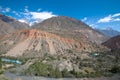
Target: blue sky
[(96, 13)]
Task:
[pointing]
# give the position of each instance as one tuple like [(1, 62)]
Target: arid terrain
[(57, 47)]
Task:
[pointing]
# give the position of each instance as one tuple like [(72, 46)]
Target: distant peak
[(107, 28), (6, 18)]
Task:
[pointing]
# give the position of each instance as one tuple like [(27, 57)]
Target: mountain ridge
[(8, 25), (62, 43), (109, 32), (61, 33), (65, 26), (113, 43)]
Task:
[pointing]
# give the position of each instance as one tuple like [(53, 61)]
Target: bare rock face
[(34, 43), (70, 28)]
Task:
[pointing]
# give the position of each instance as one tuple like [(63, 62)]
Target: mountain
[(34, 43), (113, 43), (109, 32), (5, 28), (57, 45), (57, 35), (70, 28), (50, 48), (8, 25)]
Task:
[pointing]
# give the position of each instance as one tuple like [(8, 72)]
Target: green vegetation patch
[(41, 69)]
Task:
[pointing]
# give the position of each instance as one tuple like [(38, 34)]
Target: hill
[(70, 28), (58, 47), (37, 43), (113, 43), (8, 25)]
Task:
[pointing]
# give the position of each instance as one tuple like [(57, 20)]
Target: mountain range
[(65, 44), (108, 32), (56, 35)]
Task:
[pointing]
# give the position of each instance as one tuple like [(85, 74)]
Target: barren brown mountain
[(60, 42), (113, 43), (55, 36), (70, 28), (5, 28), (8, 25), (38, 43)]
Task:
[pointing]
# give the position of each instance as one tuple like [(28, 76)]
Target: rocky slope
[(113, 43), (5, 28), (70, 28), (8, 25), (38, 43), (60, 42), (63, 53)]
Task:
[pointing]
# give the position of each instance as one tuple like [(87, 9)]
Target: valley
[(59, 47)]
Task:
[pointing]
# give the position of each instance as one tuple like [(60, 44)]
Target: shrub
[(41, 69), (115, 69), (58, 73), (55, 73), (66, 73)]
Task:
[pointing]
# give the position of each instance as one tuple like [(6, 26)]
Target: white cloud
[(28, 16), (35, 16), (117, 14), (91, 25), (105, 19), (84, 19), (110, 18), (23, 21), (42, 15)]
